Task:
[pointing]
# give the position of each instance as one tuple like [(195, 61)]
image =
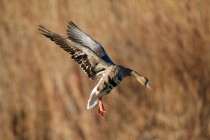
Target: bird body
[(94, 61)]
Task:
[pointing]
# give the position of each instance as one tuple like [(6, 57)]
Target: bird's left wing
[(77, 35), (91, 64)]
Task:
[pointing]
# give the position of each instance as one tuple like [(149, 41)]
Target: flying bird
[(94, 61)]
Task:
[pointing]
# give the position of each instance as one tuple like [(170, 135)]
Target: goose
[(94, 61)]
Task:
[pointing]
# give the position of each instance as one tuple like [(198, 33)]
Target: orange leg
[(101, 110)]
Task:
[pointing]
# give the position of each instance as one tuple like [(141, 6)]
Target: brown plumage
[(94, 61)]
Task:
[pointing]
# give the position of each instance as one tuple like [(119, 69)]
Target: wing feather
[(77, 35), (86, 58)]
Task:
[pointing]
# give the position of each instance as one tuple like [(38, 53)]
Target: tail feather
[(92, 101)]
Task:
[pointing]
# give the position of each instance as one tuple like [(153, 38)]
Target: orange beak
[(148, 86)]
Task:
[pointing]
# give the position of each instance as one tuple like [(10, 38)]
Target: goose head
[(143, 80)]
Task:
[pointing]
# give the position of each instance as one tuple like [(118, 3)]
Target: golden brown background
[(43, 93)]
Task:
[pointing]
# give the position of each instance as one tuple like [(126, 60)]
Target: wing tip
[(74, 33), (44, 31), (71, 25)]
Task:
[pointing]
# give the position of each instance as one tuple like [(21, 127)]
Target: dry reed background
[(43, 94)]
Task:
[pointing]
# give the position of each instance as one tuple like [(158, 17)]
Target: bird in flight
[(94, 61)]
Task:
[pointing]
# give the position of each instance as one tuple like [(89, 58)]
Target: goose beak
[(148, 86)]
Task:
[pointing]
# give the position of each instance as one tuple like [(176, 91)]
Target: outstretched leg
[(101, 110)]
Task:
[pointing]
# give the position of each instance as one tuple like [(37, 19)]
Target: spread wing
[(77, 35), (91, 64)]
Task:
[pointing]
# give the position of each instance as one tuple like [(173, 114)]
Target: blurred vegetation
[(43, 93)]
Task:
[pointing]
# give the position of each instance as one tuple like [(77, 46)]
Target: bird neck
[(126, 72)]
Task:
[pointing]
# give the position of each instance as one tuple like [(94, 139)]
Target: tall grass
[(43, 93)]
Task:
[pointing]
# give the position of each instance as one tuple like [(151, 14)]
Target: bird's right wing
[(91, 64)]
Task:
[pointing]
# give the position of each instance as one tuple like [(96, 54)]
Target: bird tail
[(92, 101)]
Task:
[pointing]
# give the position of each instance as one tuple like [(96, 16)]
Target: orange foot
[(101, 110)]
